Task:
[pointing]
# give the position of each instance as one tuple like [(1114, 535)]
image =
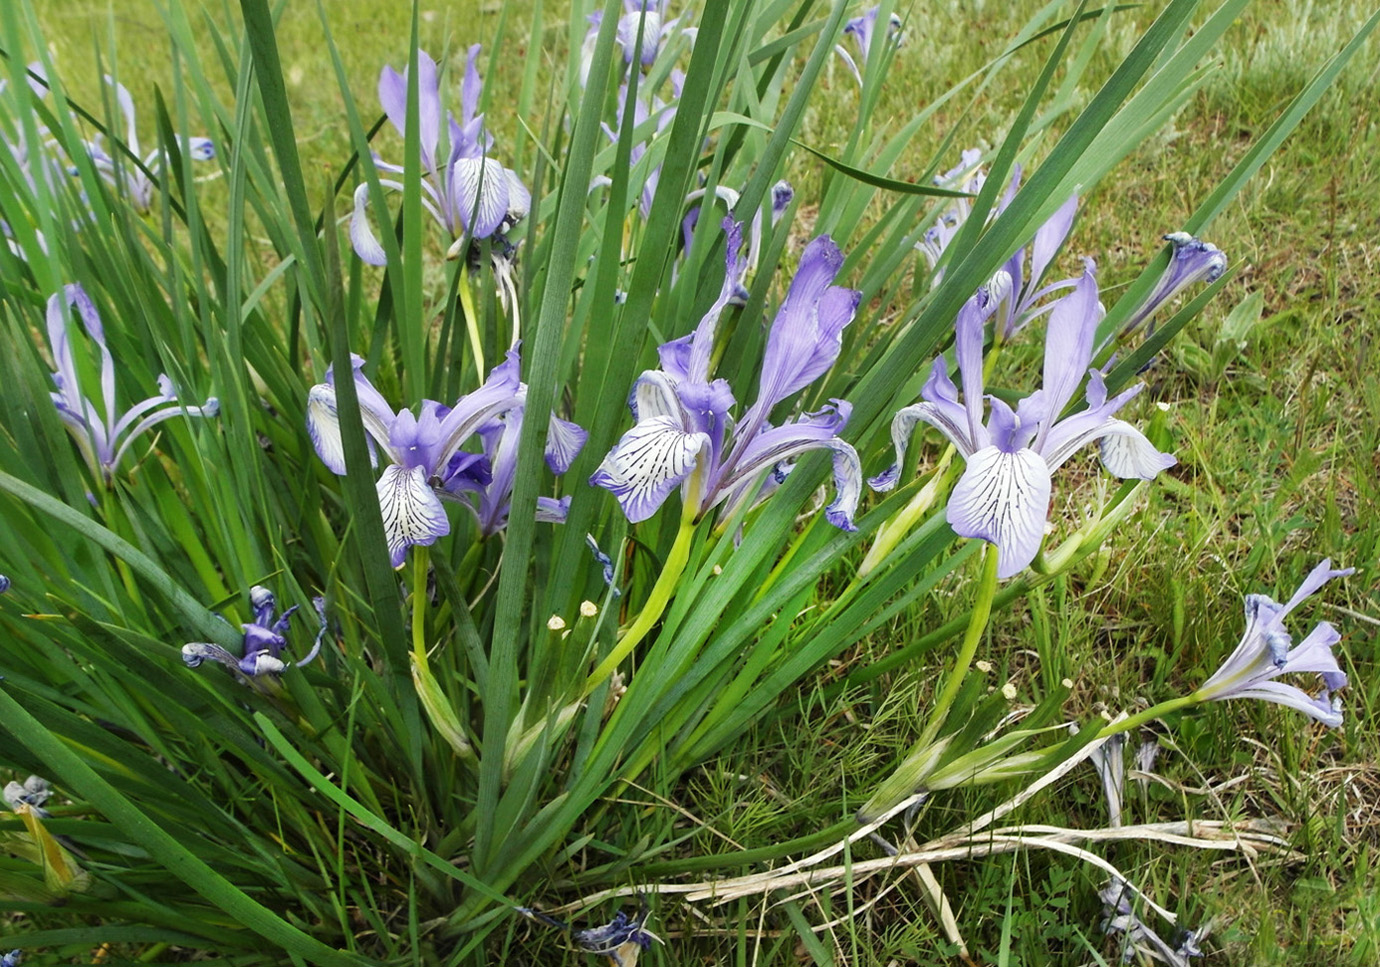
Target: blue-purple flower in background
[(264, 639), (103, 434), (683, 435), (467, 192), (863, 31), (137, 185), (1267, 651), (426, 462), (1004, 493)]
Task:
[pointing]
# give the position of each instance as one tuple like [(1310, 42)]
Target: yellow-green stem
[(471, 320), (1154, 712), (977, 624), (419, 561), (662, 591)]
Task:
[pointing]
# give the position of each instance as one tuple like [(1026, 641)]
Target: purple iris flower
[(463, 188), (968, 177), (620, 940), (12, 959), (683, 433), (1193, 261), (4, 583), (426, 462), (264, 639), (864, 32), (1004, 493), (1266, 651), (137, 185), (649, 16), (486, 486), (643, 111), (103, 435)]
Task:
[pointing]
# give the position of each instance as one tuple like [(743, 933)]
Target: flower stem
[(977, 624), (893, 531), (662, 591), (471, 319), (1154, 712)]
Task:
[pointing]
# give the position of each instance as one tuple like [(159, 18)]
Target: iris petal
[(412, 513), (1003, 498), (650, 461)]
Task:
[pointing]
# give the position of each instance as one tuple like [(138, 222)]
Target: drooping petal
[(564, 440), (1281, 693), (1126, 453), (323, 426), (362, 238), (1069, 435), (412, 513), (481, 195), (651, 460), (208, 409), (1003, 498)]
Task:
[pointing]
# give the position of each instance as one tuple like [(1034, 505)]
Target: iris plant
[(1267, 651), (33, 792), (1004, 493), (863, 31), (464, 189), (264, 639), (103, 435), (132, 177), (683, 435), (426, 462)]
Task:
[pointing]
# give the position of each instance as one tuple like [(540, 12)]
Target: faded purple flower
[(468, 192), (103, 435), (264, 639), (125, 174), (1004, 493), (33, 792), (864, 33), (1267, 651), (4, 583), (683, 434)]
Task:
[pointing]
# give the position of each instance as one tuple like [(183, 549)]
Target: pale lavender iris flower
[(426, 462), (1267, 651), (1192, 261), (264, 639), (1016, 296), (863, 31), (103, 434), (683, 434), (464, 189), (1004, 493), (137, 185)]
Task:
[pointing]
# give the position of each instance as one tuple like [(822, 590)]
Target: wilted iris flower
[(864, 33), (621, 940), (1193, 260), (463, 187), (103, 435), (1140, 943), (426, 462), (4, 583), (683, 434), (136, 183), (12, 959), (33, 792), (264, 639), (1004, 493), (1266, 651)]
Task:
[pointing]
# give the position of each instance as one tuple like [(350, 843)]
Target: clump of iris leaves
[(355, 670)]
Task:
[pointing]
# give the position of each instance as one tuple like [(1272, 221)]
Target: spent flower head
[(264, 639), (863, 32), (1191, 261)]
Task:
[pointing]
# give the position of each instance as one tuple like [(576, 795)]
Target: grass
[(1279, 452)]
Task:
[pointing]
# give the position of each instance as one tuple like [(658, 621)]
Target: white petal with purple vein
[(1003, 498), (412, 513)]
